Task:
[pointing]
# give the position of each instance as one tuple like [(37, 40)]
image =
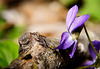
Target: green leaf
[(8, 52)]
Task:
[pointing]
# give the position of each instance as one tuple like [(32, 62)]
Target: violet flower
[(93, 55), (73, 24)]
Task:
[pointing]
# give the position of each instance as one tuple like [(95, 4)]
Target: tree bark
[(38, 52)]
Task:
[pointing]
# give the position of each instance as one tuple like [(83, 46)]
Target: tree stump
[(38, 52)]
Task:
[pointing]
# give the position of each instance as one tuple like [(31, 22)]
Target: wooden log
[(38, 52)]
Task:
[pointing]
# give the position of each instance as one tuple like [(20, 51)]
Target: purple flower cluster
[(72, 24), (92, 53)]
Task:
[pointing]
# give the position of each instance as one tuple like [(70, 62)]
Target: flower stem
[(90, 41)]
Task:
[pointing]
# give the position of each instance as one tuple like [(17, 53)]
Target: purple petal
[(73, 49), (87, 64), (71, 16), (66, 41), (79, 21), (97, 47)]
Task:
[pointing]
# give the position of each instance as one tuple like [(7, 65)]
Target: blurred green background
[(8, 42), (10, 32), (91, 7)]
